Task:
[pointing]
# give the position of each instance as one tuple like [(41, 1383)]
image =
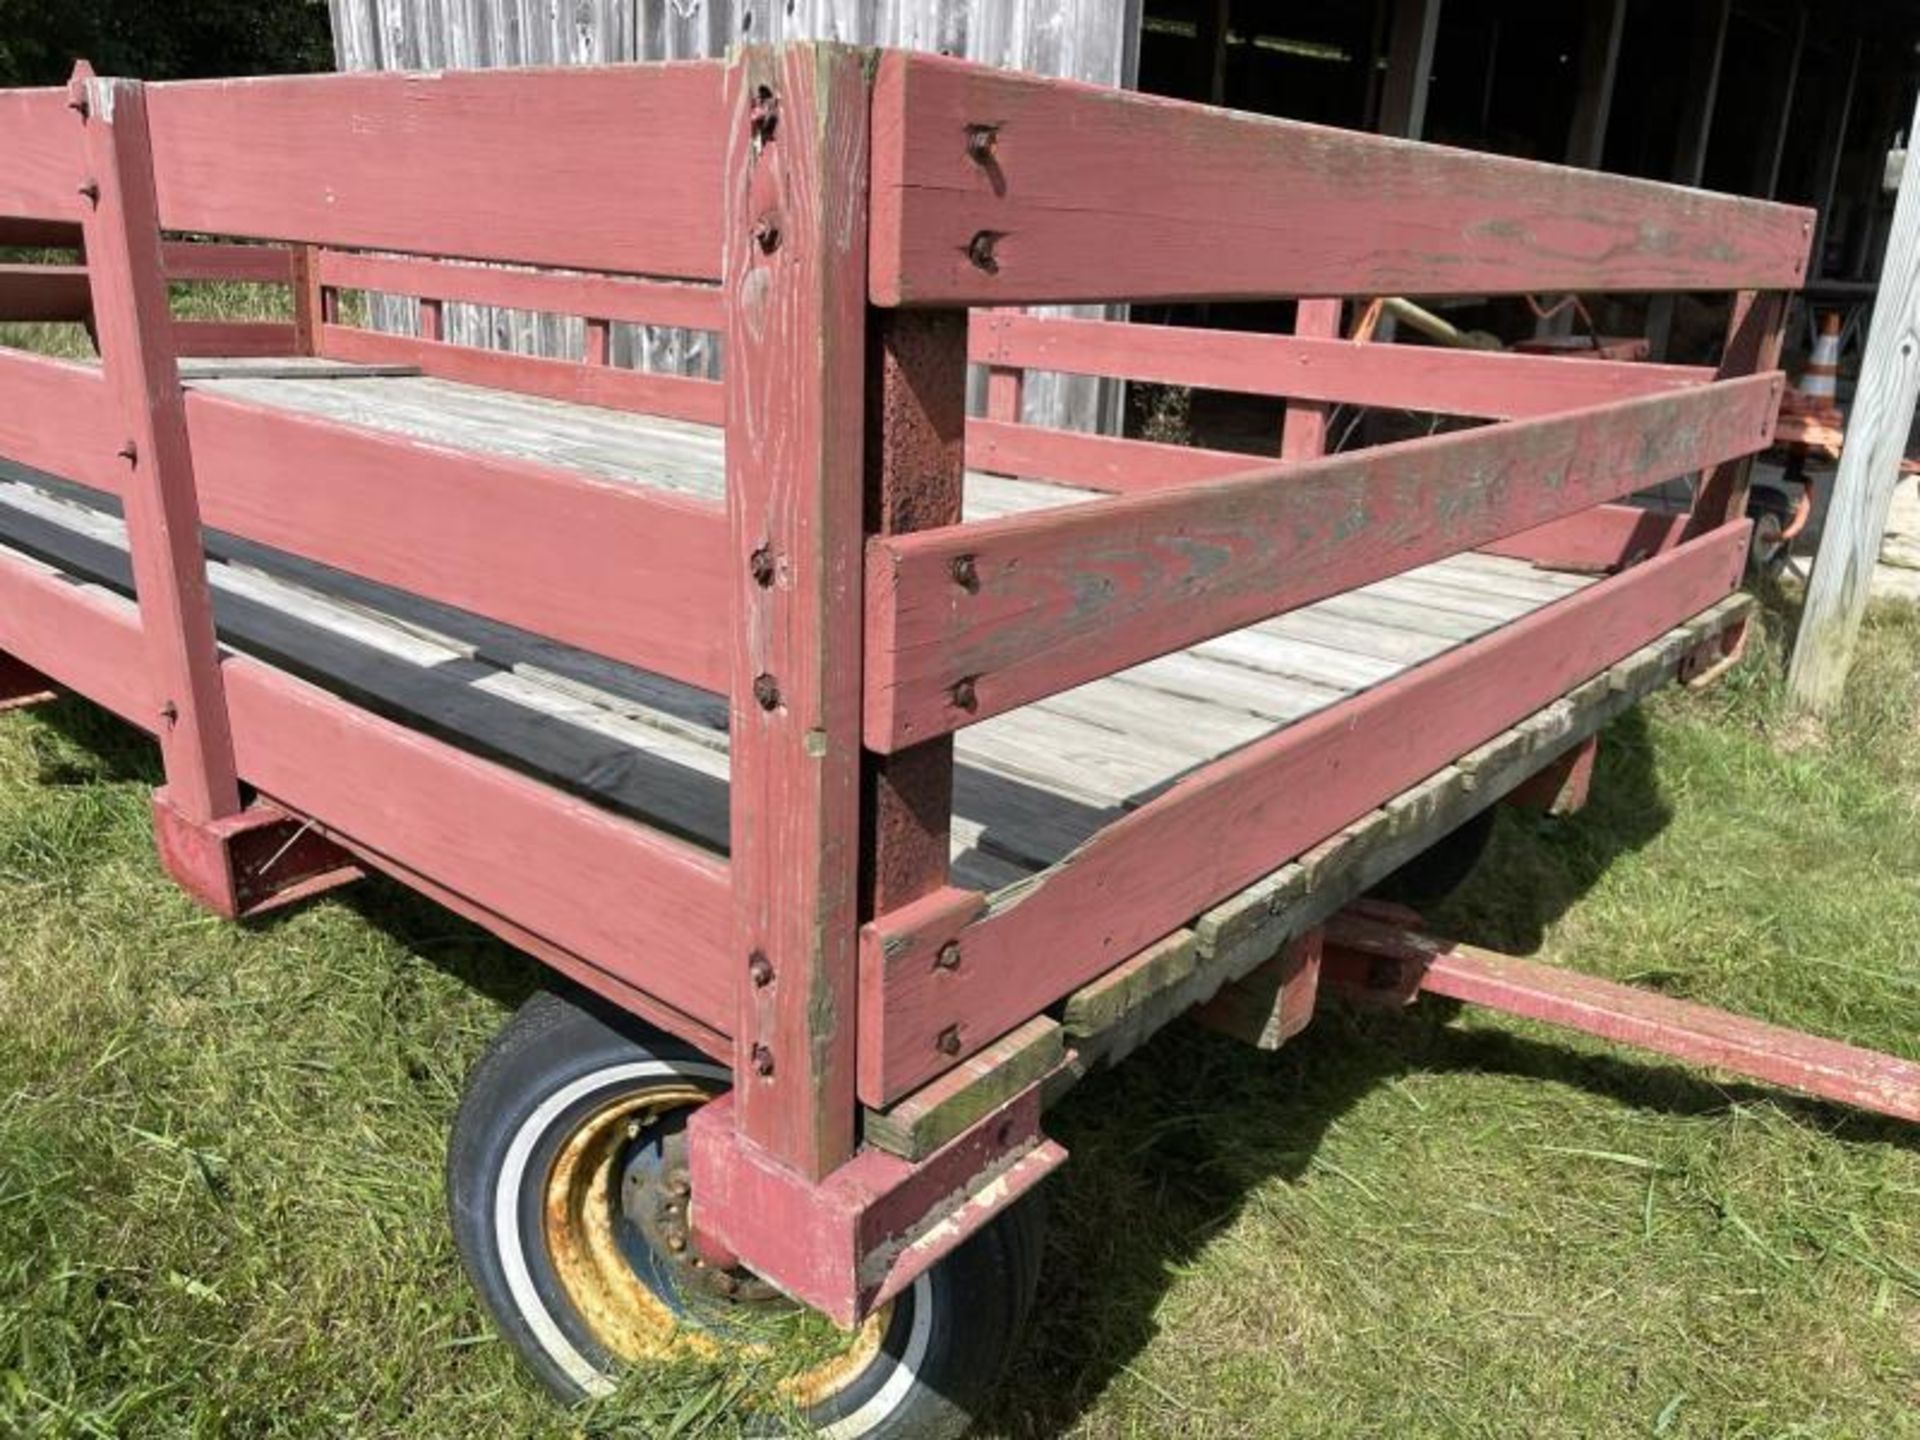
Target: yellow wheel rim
[(581, 1220)]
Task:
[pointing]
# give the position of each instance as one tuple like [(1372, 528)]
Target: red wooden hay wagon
[(871, 771)]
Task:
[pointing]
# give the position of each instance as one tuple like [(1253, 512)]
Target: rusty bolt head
[(949, 1041), (759, 970), (170, 712), (91, 191), (963, 694), (760, 563), (129, 452), (981, 140), (949, 956), (966, 573), (980, 250), (766, 690), (766, 234), (762, 1061)]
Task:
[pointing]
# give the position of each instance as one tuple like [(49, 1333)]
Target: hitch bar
[(1372, 957)]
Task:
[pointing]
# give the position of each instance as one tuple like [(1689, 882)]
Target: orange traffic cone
[(1819, 382)]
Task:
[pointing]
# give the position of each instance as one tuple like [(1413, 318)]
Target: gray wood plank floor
[(1030, 785)]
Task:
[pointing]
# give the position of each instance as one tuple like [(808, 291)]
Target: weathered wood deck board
[(1030, 786)]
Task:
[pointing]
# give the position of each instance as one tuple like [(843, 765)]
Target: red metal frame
[(836, 218)]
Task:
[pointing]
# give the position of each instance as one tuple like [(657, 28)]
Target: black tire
[(560, 1062), (1428, 879)]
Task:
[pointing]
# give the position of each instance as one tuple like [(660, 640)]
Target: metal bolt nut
[(766, 690), (963, 694), (949, 1041), (949, 956), (759, 970), (966, 573), (762, 1059)]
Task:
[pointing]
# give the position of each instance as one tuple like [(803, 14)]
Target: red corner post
[(795, 280), (821, 834), (232, 857)]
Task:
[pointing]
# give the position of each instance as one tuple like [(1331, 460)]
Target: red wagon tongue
[(1376, 959)]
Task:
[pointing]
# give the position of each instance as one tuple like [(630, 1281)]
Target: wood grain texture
[(796, 352), (618, 569), (1066, 596), (41, 163), (1596, 541), (1878, 426), (58, 417), (1093, 194), (418, 162), (1315, 366), (1240, 818), (135, 323), (683, 397), (557, 292)]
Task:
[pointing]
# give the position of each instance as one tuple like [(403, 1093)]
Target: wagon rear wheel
[(567, 1186)]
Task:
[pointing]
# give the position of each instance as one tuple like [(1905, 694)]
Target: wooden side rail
[(522, 855), (991, 188), (417, 163), (57, 416), (599, 299), (634, 573), (41, 166), (627, 298), (968, 621), (1484, 385), (1238, 819)]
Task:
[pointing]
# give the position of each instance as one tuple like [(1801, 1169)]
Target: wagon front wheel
[(567, 1187)]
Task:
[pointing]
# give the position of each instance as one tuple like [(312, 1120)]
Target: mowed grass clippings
[(220, 1147)]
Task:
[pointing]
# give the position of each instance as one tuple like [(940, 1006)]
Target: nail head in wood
[(129, 452), (762, 1061), (766, 234), (90, 190), (964, 695), (766, 690), (759, 970), (966, 574), (949, 1041), (980, 250), (981, 140), (948, 957), (760, 563)]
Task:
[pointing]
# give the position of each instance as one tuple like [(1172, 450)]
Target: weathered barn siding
[(1085, 39)]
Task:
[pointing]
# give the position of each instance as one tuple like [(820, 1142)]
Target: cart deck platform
[(894, 763), (1029, 786)]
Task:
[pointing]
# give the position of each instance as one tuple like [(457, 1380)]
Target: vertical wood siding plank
[(796, 351), (135, 326)]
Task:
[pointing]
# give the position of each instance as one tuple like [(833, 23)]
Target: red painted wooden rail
[(1698, 1034), (1060, 597), (1224, 826), (1073, 192)]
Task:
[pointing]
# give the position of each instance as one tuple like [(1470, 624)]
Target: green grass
[(220, 1207)]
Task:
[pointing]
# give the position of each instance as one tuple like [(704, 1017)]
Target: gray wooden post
[(1877, 429)]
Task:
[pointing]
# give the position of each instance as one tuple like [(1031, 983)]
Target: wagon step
[(1373, 957)]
